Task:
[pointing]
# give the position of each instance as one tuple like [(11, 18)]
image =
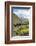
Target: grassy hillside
[(16, 19), (20, 27)]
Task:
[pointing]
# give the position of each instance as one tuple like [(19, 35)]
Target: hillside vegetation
[(20, 27)]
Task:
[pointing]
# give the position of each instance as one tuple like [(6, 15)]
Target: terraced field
[(22, 30)]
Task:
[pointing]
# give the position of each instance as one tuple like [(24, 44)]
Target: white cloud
[(22, 13)]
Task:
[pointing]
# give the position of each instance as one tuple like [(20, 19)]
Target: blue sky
[(24, 12)]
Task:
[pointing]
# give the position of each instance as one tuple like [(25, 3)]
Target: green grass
[(22, 30)]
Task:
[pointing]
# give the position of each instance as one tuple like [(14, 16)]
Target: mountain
[(19, 24), (17, 20)]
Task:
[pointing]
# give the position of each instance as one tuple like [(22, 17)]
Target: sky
[(24, 12)]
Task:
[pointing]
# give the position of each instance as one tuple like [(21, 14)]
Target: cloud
[(22, 13)]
